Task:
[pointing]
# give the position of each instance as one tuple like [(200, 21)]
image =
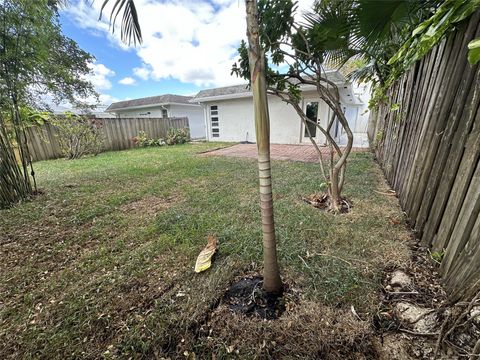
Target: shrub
[(178, 136), (78, 135), (142, 140), (174, 136)]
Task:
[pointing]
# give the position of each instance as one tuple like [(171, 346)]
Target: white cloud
[(142, 72), (107, 99), (302, 7), (194, 41), (99, 76), (127, 81)]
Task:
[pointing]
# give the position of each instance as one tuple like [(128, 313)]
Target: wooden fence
[(118, 133), (429, 150)]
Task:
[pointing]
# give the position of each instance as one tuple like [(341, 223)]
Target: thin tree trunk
[(271, 282), (334, 191)]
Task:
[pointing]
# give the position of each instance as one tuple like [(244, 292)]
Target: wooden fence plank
[(117, 134), (458, 191), (466, 269), (447, 164), (430, 154), (464, 222)]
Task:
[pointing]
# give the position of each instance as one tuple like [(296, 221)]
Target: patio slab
[(304, 153)]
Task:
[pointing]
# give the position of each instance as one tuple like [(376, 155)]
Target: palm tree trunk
[(271, 282)]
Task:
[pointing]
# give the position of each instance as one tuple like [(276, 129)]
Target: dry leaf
[(393, 221), (204, 259)]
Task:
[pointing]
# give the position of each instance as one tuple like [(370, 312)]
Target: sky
[(188, 45)]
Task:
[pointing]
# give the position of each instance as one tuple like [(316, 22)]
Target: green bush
[(78, 135), (174, 136), (142, 140), (178, 136)]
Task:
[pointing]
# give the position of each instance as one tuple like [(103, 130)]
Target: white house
[(98, 111), (228, 114), (161, 107)]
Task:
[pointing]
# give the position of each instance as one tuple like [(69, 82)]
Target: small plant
[(437, 256), (394, 107), (178, 136)]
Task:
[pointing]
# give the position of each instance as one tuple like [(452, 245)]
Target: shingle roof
[(222, 91), (152, 100), (244, 91)]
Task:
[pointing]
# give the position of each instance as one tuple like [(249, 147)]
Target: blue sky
[(121, 62), (175, 57), (188, 45)]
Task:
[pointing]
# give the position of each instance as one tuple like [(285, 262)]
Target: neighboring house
[(228, 114), (163, 106), (98, 111)]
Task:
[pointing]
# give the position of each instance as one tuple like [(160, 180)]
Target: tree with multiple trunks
[(297, 55), (38, 64)]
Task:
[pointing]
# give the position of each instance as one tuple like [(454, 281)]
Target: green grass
[(98, 264)]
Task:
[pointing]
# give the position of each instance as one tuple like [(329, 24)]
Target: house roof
[(150, 101), (243, 90), (227, 92)]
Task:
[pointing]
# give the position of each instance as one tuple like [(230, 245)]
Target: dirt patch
[(149, 206), (246, 296), (322, 201)]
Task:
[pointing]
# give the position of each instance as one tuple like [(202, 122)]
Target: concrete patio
[(304, 153)]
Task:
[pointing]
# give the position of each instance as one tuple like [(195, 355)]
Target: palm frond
[(130, 27), (363, 74)]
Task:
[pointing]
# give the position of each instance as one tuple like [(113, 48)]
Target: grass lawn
[(101, 264)]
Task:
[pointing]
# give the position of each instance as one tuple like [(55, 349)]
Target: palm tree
[(271, 282), (370, 30), (130, 31)]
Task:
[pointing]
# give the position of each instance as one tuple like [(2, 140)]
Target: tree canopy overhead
[(36, 59)]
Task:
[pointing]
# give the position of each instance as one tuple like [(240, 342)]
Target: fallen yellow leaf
[(204, 259)]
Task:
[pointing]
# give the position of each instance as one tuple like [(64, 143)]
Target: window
[(164, 113), (214, 121)]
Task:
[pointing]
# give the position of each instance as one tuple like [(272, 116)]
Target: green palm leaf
[(130, 27)]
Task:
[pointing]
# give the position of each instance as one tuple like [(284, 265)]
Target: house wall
[(195, 118), (357, 116), (236, 121), (155, 112), (193, 112)]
